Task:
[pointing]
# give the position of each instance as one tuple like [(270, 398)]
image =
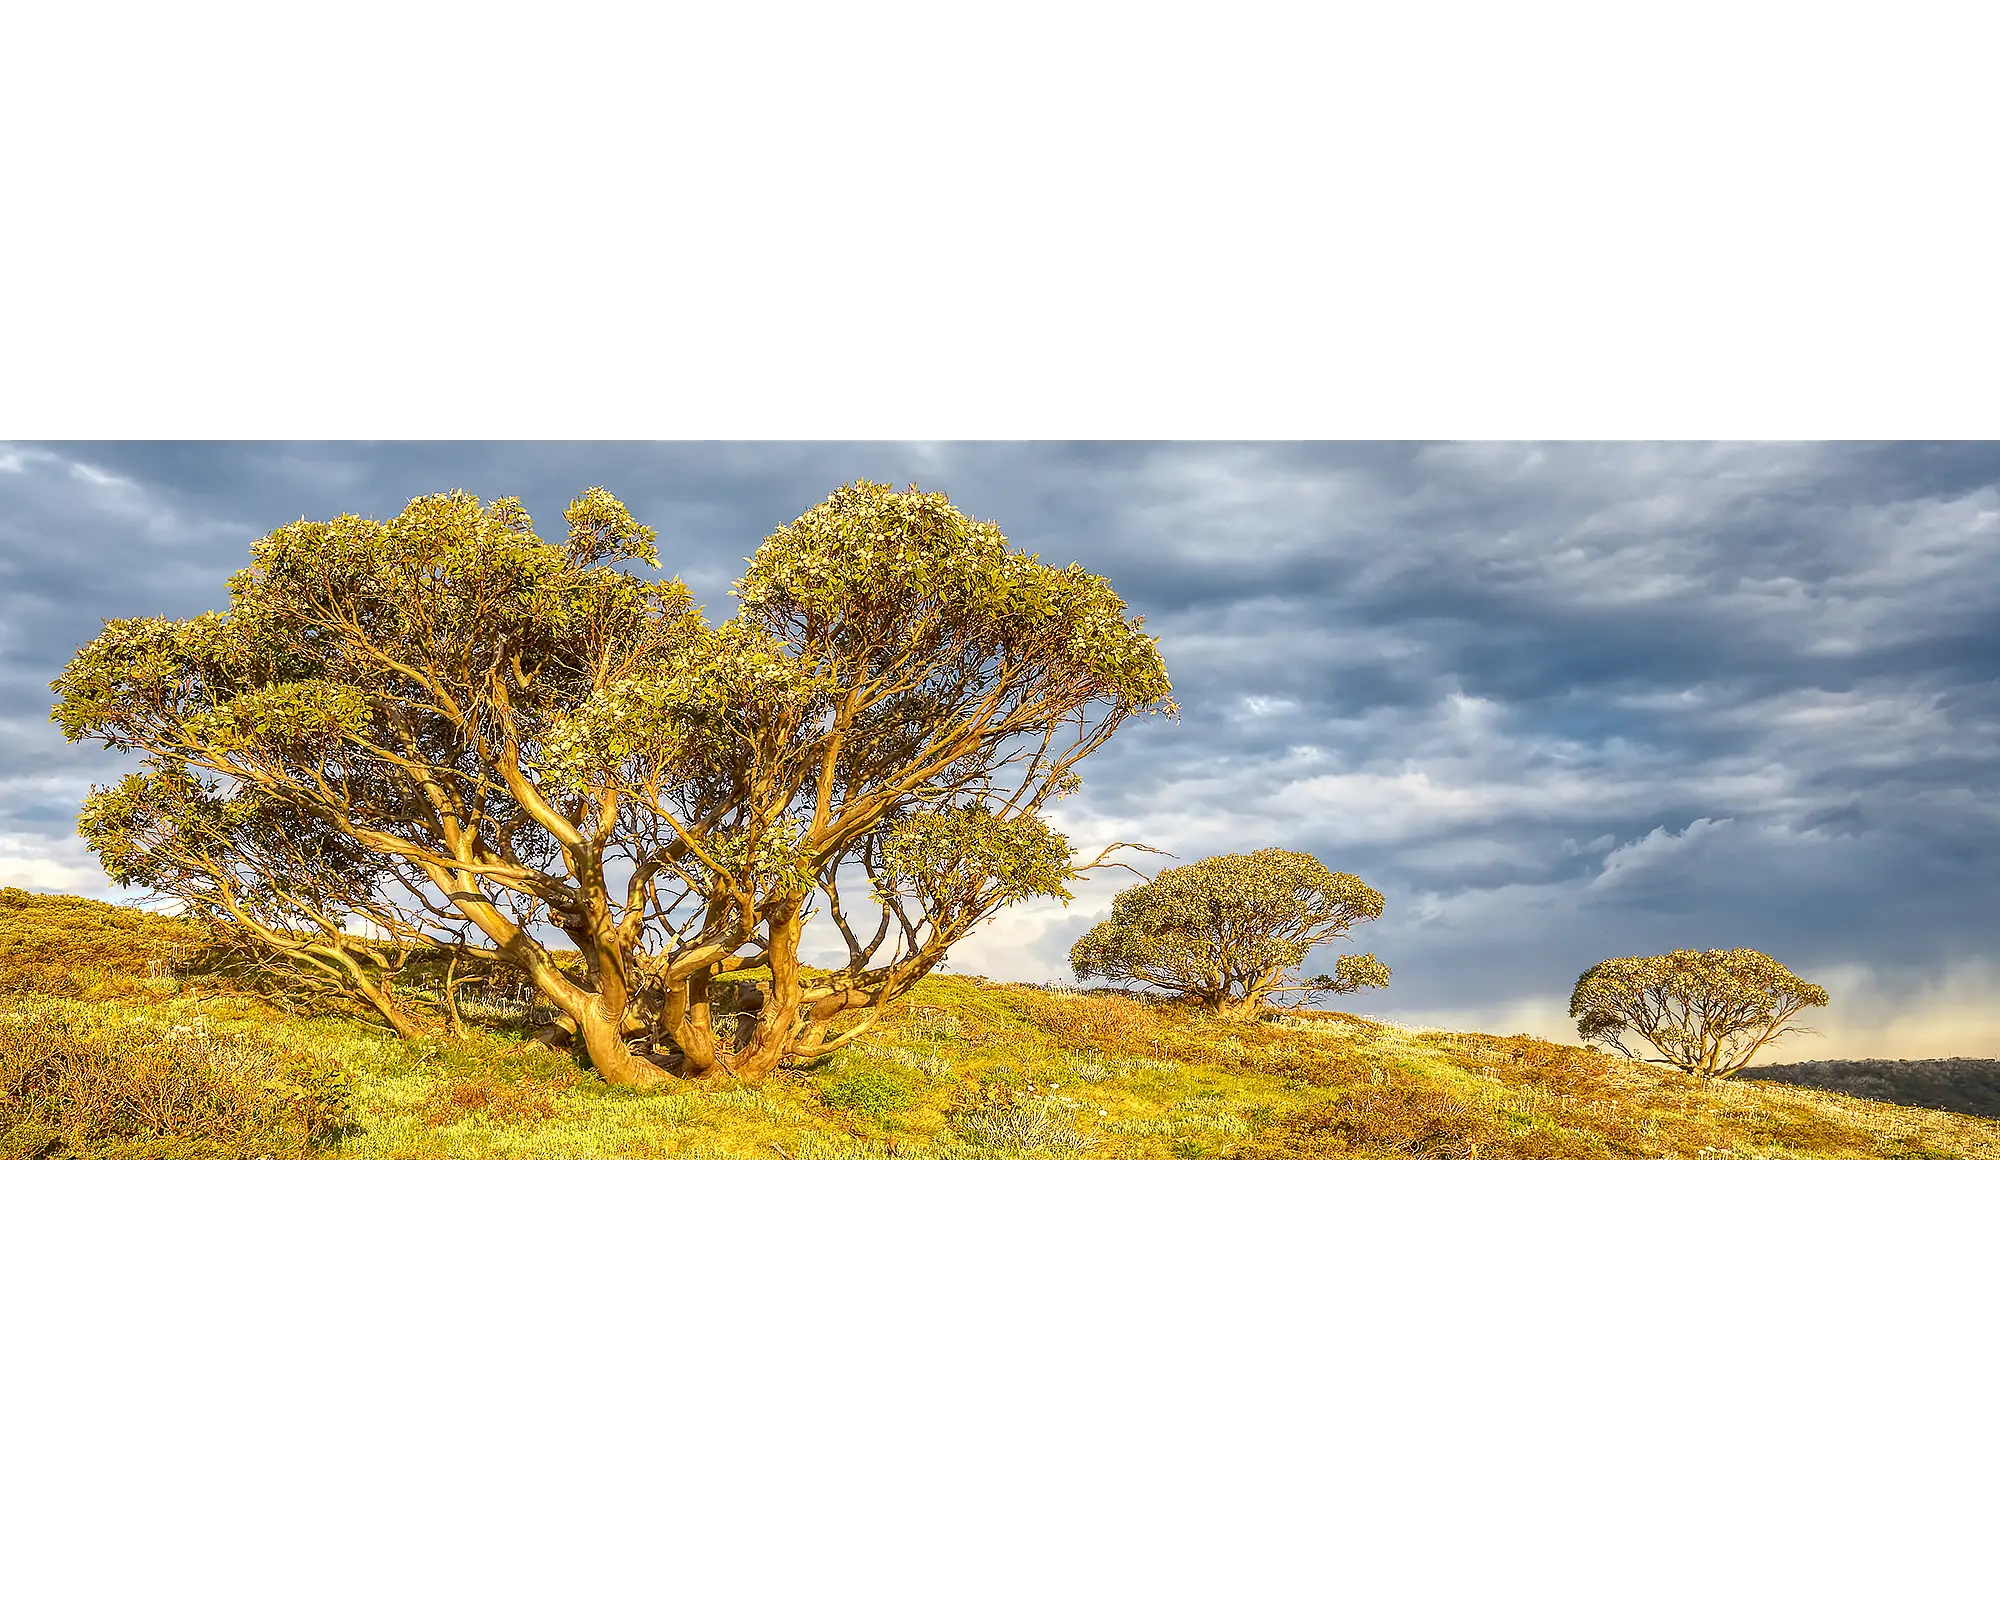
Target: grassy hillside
[(109, 1047), (66, 944)]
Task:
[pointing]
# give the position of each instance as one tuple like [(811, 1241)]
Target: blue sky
[(1557, 702)]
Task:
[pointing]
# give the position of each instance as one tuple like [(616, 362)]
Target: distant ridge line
[(1967, 1084)]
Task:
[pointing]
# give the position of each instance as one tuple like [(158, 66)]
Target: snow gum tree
[(1226, 931), (484, 743), (1706, 1012)]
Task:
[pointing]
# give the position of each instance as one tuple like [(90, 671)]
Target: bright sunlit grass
[(967, 1070)]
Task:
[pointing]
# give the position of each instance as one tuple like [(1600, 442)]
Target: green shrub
[(868, 1092)]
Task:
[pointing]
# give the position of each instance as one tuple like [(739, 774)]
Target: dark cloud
[(1558, 701)]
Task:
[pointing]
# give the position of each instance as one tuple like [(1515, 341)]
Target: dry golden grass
[(63, 944), (87, 1080), (522, 1100)]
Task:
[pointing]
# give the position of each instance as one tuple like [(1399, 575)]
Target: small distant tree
[(1226, 931), (1706, 1012)]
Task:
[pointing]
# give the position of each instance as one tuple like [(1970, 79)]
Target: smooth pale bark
[(1243, 1010), (605, 1044), (1251, 1005), (384, 1003), (773, 1032), (333, 961)]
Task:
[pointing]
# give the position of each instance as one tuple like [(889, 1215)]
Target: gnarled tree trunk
[(605, 1044)]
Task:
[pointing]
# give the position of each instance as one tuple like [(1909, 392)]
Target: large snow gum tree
[(524, 753)]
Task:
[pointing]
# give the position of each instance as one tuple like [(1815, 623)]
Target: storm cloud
[(1558, 702)]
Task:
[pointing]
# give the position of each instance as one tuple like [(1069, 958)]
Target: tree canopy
[(1705, 1011), (474, 741), (1227, 930)]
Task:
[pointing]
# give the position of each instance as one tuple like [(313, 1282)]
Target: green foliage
[(1225, 931), (965, 853), (298, 718), (1351, 973), (1707, 1012), (686, 712), (169, 830), (881, 573), (320, 1092), (601, 529), (867, 1092), (354, 648), (453, 586)]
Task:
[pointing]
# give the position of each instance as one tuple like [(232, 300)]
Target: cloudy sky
[(1558, 702)]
